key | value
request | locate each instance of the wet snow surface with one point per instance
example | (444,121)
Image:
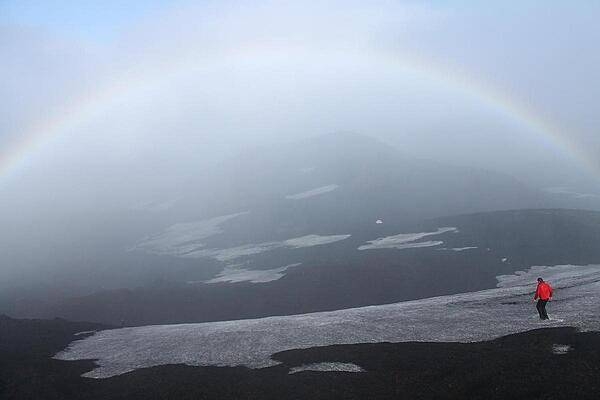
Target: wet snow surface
(406,240)
(561,349)
(233,253)
(464,317)
(328,367)
(187,240)
(235,274)
(458,248)
(183,238)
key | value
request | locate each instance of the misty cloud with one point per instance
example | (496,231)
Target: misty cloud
(125,112)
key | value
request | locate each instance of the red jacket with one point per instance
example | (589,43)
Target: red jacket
(544,291)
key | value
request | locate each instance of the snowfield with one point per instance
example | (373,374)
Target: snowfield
(234,275)
(459,248)
(463,317)
(233,253)
(182,238)
(328,367)
(313,240)
(406,240)
(186,240)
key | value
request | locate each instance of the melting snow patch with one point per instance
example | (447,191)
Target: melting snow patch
(327,367)
(561,349)
(313,240)
(84,333)
(405,240)
(564,273)
(466,317)
(234,275)
(416,245)
(233,253)
(459,248)
(183,238)
(312,192)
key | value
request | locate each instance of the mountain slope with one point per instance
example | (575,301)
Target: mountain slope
(497,369)
(339,275)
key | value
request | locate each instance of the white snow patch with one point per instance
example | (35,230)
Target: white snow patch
(416,245)
(467,317)
(327,367)
(84,333)
(313,192)
(405,240)
(182,238)
(564,273)
(232,253)
(561,349)
(185,240)
(234,275)
(313,240)
(459,248)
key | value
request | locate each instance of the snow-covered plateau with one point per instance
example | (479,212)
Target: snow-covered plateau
(463,317)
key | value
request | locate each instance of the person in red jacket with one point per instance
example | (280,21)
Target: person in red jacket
(543,295)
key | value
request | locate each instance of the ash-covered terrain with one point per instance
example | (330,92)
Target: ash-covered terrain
(383,264)
(359,281)
(465,317)
(426,349)
(265,199)
(331,222)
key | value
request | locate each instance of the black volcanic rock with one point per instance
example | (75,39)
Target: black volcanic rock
(339,276)
(513,367)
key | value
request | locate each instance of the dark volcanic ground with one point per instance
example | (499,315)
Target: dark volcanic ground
(338,276)
(514,367)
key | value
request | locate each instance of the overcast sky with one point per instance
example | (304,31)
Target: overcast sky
(106,105)
(127,94)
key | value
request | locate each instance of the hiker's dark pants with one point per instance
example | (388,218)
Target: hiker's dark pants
(541,307)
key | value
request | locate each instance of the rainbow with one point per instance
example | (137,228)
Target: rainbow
(19,154)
